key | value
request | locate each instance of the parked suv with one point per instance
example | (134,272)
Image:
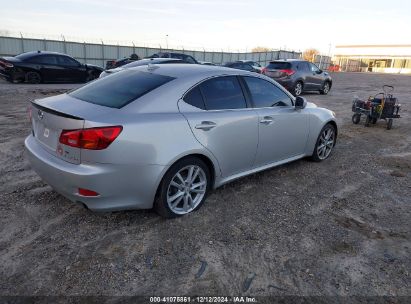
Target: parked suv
(298,76)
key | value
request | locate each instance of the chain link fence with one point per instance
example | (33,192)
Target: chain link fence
(99,53)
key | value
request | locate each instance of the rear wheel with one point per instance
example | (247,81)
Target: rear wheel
(184,188)
(298,88)
(33,77)
(326,88)
(325,143)
(356,118)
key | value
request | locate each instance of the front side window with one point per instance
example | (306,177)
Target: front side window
(222,93)
(120,88)
(190,59)
(67,61)
(265,94)
(314,68)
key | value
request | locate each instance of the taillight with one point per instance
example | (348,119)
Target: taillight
(87,192)
(263,70)
(91,139)
(289,72)
(6,64)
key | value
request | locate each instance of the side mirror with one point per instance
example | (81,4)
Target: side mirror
(319,71)
(300,103)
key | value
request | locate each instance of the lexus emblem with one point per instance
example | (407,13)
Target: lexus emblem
(40,114)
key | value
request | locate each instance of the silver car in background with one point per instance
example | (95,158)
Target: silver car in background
(163,136)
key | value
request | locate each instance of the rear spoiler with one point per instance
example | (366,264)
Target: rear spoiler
(54,112)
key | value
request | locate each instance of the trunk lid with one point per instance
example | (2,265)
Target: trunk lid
(276,69)
(52,115)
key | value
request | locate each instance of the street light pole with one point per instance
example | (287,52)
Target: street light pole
(167,41)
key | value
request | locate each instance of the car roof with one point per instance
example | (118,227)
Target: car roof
(289,60)
(33,53)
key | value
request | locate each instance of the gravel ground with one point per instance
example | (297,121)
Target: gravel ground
(340,227)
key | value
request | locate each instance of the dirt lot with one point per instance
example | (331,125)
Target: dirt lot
(340,227)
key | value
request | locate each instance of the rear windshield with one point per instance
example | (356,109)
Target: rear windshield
(279,65)
(120,88)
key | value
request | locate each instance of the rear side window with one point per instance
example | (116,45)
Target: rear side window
(265,94)
(120,88)
(222,93)
(279,65)
(195,98)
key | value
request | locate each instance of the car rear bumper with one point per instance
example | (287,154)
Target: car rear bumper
(120,187)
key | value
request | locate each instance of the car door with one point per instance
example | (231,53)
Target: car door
(222,122)
(71,70)
(48,67)
(283,130)
(316,78)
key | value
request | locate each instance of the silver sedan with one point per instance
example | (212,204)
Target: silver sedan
(164,136)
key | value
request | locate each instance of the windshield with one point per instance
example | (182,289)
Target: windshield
(120,89)
(279,65)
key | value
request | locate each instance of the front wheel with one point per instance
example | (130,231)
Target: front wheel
(298,89)
(356,118)
(325,143)
(184,188)
(389,123)
(326,88)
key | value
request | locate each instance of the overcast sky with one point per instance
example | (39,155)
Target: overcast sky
(216,24)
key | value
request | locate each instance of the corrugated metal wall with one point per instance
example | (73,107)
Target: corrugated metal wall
(98,54)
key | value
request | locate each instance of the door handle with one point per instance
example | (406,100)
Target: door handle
(206,125)
(267,120)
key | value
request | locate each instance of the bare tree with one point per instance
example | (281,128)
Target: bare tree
(309,54)
(259,49)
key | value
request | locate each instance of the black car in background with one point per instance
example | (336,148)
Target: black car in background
(141,62)
(186,58)
(112,64)
(39,66)
(254,64)
(240,65)
(298,76)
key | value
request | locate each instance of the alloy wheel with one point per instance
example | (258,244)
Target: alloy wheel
(298,89)
(326,143)
(187,189)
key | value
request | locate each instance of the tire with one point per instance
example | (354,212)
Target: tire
(356,118)
(326,88)
(33,77)
(176,196)
(324,146)
(374,120)
(298,88)
(389,123)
